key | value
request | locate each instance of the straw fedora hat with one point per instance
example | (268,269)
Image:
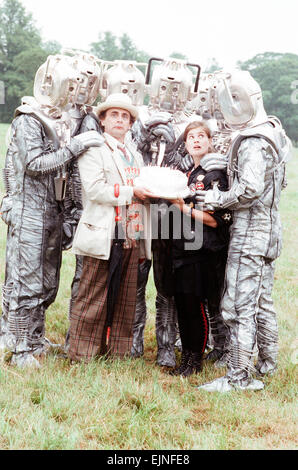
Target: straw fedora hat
(118,100)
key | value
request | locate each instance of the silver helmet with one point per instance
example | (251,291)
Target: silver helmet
(171,86)
(124,77)
(206,103)
(88,75)
(54,82)
(240,100)
(63,79)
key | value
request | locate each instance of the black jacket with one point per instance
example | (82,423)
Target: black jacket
(208,239)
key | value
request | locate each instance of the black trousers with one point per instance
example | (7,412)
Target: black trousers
(196,283)
(193,322)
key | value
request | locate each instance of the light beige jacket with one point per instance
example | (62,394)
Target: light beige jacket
(100,169)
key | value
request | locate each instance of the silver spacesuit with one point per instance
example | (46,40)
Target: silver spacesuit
(35,177)
(158,133)
(256,169)
(82,119)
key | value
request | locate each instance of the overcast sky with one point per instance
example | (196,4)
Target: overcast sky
(228,30)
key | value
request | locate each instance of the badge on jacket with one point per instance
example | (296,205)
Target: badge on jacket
(199,183)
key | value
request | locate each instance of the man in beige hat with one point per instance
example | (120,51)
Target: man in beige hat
(107,175)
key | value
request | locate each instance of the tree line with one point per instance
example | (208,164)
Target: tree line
(22,51)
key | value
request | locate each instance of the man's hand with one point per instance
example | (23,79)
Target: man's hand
(142,193)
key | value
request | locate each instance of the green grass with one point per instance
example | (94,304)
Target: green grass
(133,404)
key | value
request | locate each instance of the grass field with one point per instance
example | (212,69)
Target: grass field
(133,404)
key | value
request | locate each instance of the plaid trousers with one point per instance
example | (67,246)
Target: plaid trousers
(88,317)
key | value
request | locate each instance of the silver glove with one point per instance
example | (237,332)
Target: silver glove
(214,161)
(186,163)
(160,126)
(209,200)
(200,196)
(90,139)
(158,118)
(164,131)
(5,209)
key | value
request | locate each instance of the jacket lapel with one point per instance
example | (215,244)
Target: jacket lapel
(112,144)
(138,157)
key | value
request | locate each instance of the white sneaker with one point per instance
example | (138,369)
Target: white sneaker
(218,385)
(253,385)
(223,385)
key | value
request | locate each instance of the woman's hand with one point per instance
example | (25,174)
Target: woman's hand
(179,202)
